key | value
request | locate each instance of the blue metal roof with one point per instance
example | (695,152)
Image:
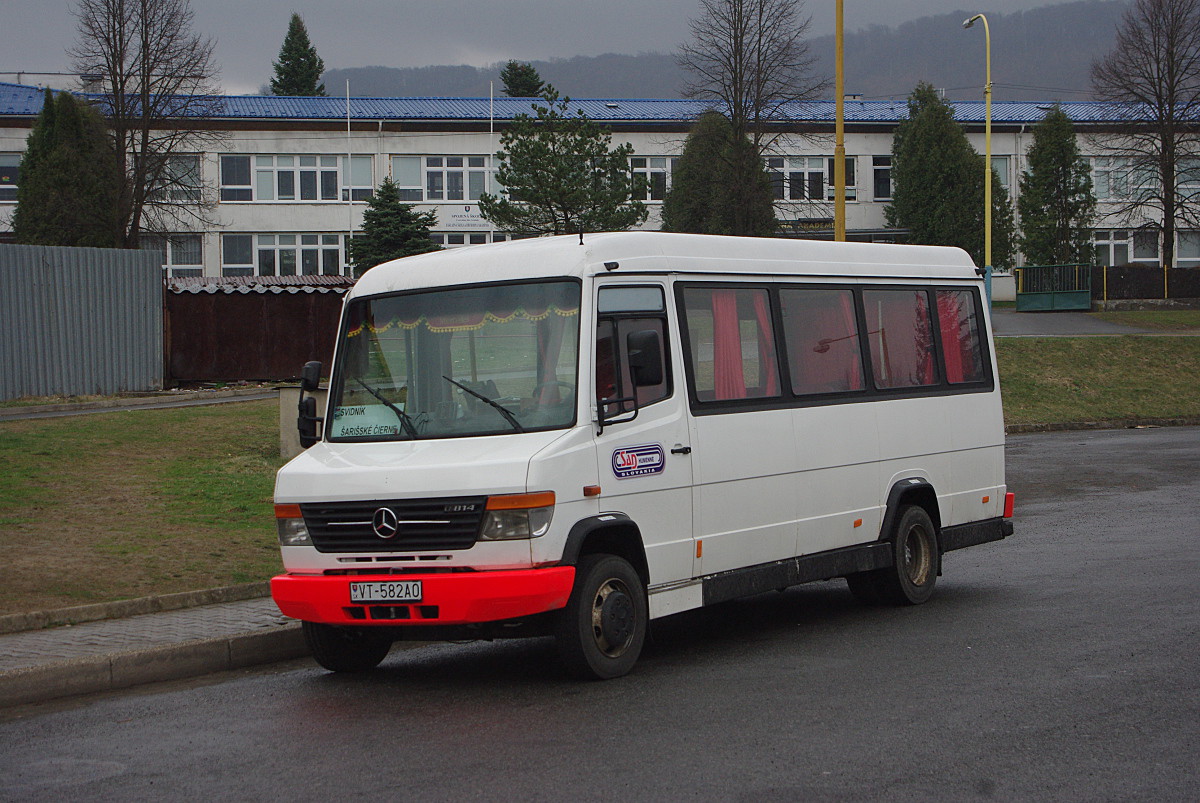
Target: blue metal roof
(19,100)
(628,110)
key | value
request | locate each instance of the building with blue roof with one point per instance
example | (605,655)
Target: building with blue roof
(285,184)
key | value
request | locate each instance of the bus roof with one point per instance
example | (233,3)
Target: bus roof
(642,252)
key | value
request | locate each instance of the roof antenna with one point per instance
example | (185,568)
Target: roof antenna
(581,232)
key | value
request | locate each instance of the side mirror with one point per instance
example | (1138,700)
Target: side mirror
(306,419)
(645,357)
(310,376)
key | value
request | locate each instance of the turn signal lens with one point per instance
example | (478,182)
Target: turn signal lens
(521,501)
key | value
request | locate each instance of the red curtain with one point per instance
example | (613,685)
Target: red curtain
(728,376)
(949,315)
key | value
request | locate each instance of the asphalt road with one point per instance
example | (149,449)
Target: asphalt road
(1061,663)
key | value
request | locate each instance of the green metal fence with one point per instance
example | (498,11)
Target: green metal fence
(1042,288)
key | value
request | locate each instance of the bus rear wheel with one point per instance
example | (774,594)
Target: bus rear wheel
(599,635)
(346,649)
(911,578)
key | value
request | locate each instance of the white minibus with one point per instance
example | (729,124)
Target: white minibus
(572,436)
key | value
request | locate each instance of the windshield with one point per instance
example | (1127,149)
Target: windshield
(460,362)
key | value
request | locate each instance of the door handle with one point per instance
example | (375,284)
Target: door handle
(682,450)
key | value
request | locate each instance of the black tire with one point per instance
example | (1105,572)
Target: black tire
(915,549)
(346,649)
(600,633)
(915,564)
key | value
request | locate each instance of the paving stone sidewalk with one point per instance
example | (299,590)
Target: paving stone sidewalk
(39,665)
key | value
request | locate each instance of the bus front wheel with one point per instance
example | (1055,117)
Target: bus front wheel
(346,649)
(601,631)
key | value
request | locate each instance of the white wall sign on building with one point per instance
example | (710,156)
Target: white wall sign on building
(451,218)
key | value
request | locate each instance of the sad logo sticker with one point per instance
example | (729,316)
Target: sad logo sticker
(638,461)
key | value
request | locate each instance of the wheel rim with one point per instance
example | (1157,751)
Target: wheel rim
(918,560)
(613,618)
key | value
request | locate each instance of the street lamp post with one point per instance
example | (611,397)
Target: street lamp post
(839,146)
(987,159)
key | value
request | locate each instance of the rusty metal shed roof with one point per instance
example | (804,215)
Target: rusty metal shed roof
(259,284)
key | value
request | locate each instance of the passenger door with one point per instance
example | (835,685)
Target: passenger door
(745,493)
(645,464)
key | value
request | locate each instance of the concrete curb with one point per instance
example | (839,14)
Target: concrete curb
(18,622)
(1132,423)
(122,670)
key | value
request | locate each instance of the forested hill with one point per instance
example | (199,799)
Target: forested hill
(1041,54)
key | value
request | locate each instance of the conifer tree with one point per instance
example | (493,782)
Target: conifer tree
(561,176)
(299,69)
(1056,203)
(938,183)
(704,197)
(70,179)
(391,230)
(521,80)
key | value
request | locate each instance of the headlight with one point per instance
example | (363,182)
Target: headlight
(516,516)
(290,524)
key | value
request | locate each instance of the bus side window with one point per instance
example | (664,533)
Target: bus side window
(606,362)
(613,378)
(731,341)
(821,333)
(962,346)
(900,334)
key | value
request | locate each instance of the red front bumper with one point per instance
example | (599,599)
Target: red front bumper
(446,599)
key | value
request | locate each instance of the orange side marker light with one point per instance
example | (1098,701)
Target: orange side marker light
(858,522)
(591,490)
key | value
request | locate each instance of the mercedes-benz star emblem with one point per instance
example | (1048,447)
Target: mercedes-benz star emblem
(384,522)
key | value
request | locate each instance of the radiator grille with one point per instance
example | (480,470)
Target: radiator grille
(420,524)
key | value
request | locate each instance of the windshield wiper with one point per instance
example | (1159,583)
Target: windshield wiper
(504,411)
(405,419)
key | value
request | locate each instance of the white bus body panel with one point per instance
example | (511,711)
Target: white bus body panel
(757,487)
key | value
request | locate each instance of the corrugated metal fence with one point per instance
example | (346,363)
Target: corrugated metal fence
(78,321)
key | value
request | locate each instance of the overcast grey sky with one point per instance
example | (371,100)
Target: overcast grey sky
(414,33)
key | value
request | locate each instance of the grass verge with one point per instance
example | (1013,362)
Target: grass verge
(1170,320)
(125,504)
(1055,380)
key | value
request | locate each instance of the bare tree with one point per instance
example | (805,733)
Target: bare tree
(750,61)
(159,89)
(1153,75)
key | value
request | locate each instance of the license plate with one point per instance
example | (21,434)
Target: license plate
(391,591)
